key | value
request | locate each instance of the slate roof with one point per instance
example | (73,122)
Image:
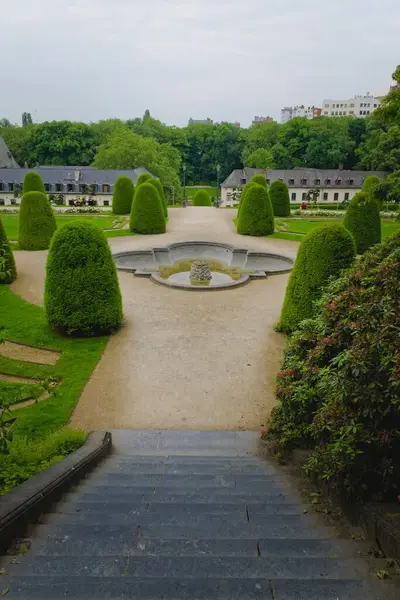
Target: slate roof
(303,177)
(68,174)
(7,161)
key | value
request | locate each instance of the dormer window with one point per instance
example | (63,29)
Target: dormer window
(59,187)
(243,181)
(304,181)
(338,181)
(47,187)
(70,187)
(327,181)
(106,188)
(11,187)
(291,181)
(351,181)
(317,181)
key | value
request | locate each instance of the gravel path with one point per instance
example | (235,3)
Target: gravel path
(195,360)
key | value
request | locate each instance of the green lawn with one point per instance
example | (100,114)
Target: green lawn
(191,190)
(10,222)
(303,226)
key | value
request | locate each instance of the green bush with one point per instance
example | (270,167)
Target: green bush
(243,194)
(363,221)
(256,216)
(158,185)
(28,457)
(33,183)
(82,294)
(147,214)
(338,390)
(36,222)
(279,194)
(260,179)
(8,271)
(324,253)
(123,195)
(143,178)
(201,198)
(369,187)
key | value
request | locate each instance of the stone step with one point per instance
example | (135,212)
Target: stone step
(188,567)
(237,480)
(130,588)
(185,469)
(127,494)
(161,509)
(96,544)
(277,527)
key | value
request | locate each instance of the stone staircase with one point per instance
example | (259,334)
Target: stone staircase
(186,515)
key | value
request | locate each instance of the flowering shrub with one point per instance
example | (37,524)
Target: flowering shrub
(339,387)
(337,213)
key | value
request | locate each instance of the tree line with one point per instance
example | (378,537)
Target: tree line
(371,143)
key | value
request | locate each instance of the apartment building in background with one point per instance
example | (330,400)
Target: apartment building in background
(290,112)
(359,106)
(257,120)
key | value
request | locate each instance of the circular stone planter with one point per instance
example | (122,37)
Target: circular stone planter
(230,267)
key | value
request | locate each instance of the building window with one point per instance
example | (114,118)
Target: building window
(341,106)
(11,187)
(317,181)
(346,196)
(293,196)
(332,114)
(2,203)
(268,181)
(344,112)
(1,186)
(106,203)
(368,112)
(336,113)
(291,181)
(59,187)
(327,182)
(326,112)
(326,105)
(70,187)
(375,105)
(106,188)
(333,106)
(47,187)
(304,196)
(351,112)
(338,181)
(351,181)
(345,105)
(351,105)
(13,201)
(303,181)
(336,196)
(71,202)
(325,195)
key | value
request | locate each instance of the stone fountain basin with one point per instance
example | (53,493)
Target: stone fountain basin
(254,265)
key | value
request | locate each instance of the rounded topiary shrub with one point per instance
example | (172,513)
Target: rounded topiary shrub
(147,214)
(82,294)
(260,179)
(369,187)
(158,185)
(279,194)
(33,183)
(143,178)
(36,222)
(363,221)
(256,216)
(8,271)
(123,195)
(201,198)
(324,253)
(242,196)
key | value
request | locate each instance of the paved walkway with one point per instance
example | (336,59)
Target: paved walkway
(195,360)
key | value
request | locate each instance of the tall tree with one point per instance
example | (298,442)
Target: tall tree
(26,119)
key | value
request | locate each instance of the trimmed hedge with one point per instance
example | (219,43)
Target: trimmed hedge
(245,190)
(363,221)
(201,198)
(147,214)
(369,186)
(8,270)
(143,178)
(279,194)
(158,185)
(82,295)
(256,216)
(123,195)
(33,183)
(324,253)
(260,179)
(36,222)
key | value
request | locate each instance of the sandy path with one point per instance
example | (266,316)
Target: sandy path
(195,360)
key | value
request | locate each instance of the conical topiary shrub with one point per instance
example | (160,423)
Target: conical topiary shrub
(256,216)
(123,195)
(242,196)
(36,222)
(324,253)
(363,221)
(82,295)
(369,187)
(279,194)
(158,185)
(147,214)
(260,179)
(8,271)
(33,183)
(201,198)
(143,178)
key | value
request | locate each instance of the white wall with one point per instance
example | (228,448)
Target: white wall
(358,107)
(8,198)
(225,201)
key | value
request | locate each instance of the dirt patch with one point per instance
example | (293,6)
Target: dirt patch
(29,354)
(17,379)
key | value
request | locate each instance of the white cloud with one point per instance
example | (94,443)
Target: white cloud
(91,59)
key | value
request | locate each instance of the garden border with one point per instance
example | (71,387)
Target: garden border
(25,503)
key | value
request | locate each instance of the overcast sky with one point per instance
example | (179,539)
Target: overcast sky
(227,60)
